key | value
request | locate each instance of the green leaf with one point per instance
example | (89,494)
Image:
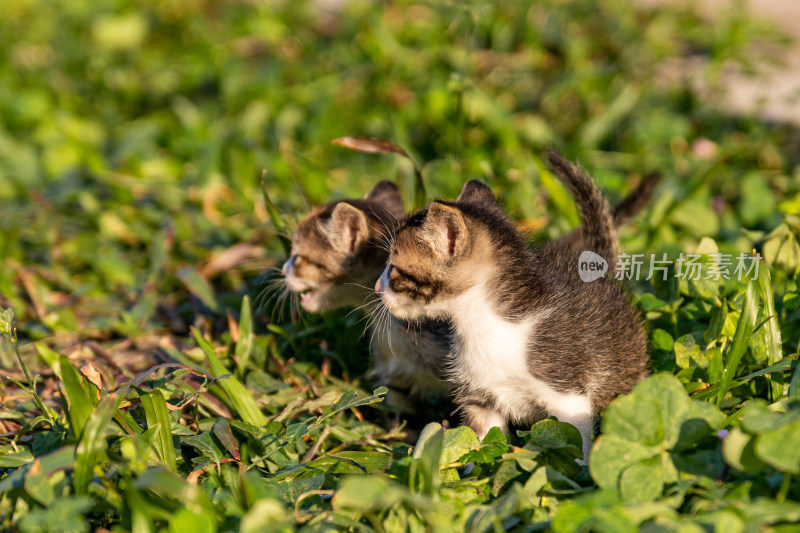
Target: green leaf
(367,493)
(244,348)
(744,330)
(206,445)
(638,417)
(458,442)
(6,321)
(238,395)
(779,447)
(766,511)
(187,520)
(492,447)
(595,511)
(505,475)
(791,300)
(155,409)
(688,353)
(794,384)
(266,514)
(222,429)
(350,399)
(92,444)
(424,471)
(80,403)
(656,420)
(771,331)
(696,217)
(661,340)
(612,455)
(642,481)
(738,449)
(65,515)
(290,490)
(15,460)
(353,461)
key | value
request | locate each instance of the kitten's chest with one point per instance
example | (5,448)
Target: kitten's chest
(491,363)
(491,351)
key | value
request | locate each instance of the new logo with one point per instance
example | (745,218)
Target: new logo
(591,266)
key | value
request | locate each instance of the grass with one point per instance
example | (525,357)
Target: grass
(154,156)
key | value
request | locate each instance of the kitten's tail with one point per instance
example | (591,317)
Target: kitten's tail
(600,231)
(627,208)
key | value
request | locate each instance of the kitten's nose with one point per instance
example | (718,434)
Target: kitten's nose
(382,282)
(288,265)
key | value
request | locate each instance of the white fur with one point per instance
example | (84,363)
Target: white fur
(491,356)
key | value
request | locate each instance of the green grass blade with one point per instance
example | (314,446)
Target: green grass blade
(51,358)
(155,410)
(787,363)
(275,217)
(427,457)
(93,443)
(744,330)
(80,403)
(244,404)
(771,331)
(794,385)
(244,348)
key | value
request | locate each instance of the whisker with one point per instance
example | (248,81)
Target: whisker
(388,326)
(366,306)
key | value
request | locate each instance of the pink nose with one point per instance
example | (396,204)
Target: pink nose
(379,286)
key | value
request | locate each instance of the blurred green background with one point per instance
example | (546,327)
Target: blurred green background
(134,137)
(133,140)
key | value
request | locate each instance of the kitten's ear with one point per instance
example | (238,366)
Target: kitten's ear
(348,227)
(387,194)
(446,229)
(475,192)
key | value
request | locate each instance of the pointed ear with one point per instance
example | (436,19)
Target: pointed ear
(475,192)
(348,227)
(387,194)
(446,230)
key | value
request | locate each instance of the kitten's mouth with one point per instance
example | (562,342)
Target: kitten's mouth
(307,295)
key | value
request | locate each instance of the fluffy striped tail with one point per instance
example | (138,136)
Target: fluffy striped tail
(599,231)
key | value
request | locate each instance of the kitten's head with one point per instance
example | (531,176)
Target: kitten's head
(339,249)
(439,253)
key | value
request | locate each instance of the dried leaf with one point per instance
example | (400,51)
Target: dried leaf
(91,373)
(370,145)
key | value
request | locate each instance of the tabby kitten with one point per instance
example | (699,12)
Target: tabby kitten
(530,338)
(338,251)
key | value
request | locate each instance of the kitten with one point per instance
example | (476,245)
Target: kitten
(338,251)
(530,338)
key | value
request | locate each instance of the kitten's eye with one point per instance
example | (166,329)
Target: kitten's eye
(303,259)
(397,272)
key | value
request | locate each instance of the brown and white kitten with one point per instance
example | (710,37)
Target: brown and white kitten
(338,251)
(530,338)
